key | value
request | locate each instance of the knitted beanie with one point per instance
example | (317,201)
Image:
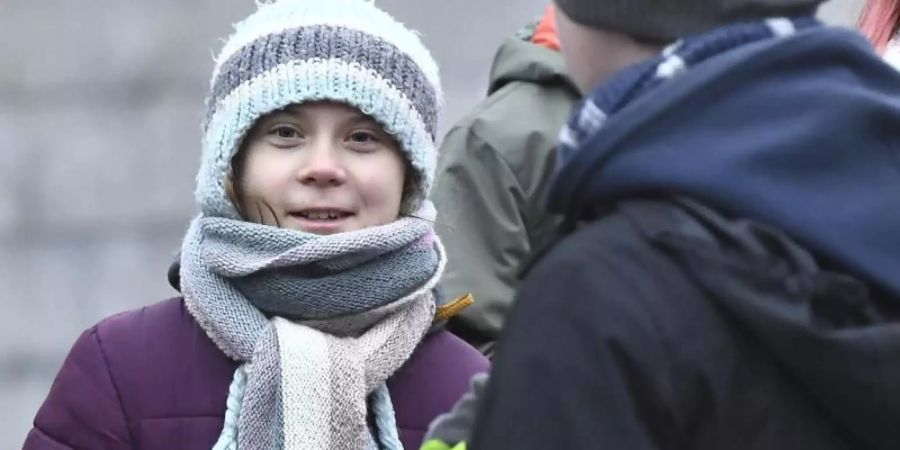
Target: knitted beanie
(295,51)
(663,21)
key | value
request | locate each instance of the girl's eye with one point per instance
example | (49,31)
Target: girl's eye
(363,137)
(286,132)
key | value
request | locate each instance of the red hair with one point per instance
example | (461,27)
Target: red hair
(879,21)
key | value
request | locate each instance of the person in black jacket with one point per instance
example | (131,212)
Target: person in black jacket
(731,274)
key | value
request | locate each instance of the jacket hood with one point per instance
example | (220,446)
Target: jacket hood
(518,59)
(837,340)
(799,133)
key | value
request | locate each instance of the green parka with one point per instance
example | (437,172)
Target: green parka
(491,179)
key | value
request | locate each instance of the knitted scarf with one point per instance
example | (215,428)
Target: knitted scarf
(614,95)
(318,323)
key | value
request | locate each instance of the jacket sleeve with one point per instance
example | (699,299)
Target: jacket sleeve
(82,410)
(484,230)
(455,427)
(580,365)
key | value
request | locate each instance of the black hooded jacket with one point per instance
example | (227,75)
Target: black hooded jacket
(734,282)
(665,325)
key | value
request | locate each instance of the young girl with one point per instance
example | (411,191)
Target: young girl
(880,21)
(309,319)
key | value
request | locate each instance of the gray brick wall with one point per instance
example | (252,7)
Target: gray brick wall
(100,107)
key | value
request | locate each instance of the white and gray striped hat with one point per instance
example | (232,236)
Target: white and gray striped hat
(295,51)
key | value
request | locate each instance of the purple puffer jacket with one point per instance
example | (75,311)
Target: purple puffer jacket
(151,379)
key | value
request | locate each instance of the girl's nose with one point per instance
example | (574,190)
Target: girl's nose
(322,167)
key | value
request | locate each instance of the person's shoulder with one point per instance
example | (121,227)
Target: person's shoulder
(445,351)
(145,351)
(155,332)
(609,289)
(443,360)
(164,320)
(611,264)
(607,239)
(518,125)
(130,367)
(531,105)
(434,378)
(516,112)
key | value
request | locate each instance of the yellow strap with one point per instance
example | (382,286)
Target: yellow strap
(454,307)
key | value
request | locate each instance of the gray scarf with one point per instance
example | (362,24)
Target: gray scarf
(319,322)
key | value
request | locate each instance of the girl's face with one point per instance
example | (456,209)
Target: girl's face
(319,167)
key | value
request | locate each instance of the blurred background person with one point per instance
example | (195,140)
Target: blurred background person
(729,274)
(494,167)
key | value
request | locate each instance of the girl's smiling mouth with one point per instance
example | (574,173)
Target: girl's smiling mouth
(321,220)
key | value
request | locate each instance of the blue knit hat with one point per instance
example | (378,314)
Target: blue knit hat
(295,51)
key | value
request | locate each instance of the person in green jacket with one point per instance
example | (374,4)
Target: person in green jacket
(493,174)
